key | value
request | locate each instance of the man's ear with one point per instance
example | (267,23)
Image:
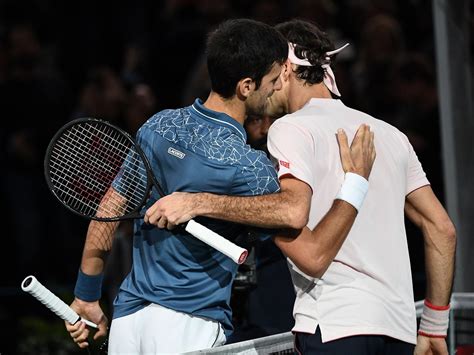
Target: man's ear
(245,87)
(286,70)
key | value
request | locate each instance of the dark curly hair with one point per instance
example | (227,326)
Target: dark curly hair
(311,44)
(242,48)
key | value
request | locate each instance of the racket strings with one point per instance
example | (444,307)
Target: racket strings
(104,175)
(90,158)
(84,184)
(95,164)
(83,171)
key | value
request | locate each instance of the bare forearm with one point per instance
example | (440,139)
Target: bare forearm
(440,246)
(439,235)
(98,243)
(313,251)
(100,234)
(279,210)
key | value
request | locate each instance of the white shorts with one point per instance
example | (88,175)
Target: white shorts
(159,330)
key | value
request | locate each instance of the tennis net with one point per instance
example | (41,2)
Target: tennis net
(278,344)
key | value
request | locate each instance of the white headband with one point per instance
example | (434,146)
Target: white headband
(329,78)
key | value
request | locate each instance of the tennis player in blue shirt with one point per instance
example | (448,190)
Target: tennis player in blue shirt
(176,297)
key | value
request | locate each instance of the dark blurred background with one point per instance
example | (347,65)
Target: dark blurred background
(125,60)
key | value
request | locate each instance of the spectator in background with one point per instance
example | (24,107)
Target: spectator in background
(417,114)
(34,102)
(380,46)
(179,35)
(102,96)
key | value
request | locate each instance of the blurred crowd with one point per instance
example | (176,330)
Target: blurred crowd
(123,61)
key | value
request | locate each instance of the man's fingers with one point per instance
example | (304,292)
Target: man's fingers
(83,345)
(360,134)
(162,222)
(150,212)
(72,327)
(80,336)
(373,153)
(75,333)
(367,138)
(102,331)
(170,225)
(344,150)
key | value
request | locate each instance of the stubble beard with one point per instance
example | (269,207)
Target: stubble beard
(273,109)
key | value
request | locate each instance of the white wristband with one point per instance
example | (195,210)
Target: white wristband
(434,321)
(353,190)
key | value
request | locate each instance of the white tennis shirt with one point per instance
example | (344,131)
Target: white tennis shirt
(367,289)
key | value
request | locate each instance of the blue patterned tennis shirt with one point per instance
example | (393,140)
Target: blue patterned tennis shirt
(192,149)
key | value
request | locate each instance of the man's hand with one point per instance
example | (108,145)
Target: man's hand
(171,210)
(90,311)
(360,157)
(430,346)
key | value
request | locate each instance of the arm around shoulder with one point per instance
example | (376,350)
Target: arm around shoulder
(288,208)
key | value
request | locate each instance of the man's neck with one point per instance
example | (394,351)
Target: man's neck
(301,94)
(231,107)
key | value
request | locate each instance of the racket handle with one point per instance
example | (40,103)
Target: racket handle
(218,242)
(31,285)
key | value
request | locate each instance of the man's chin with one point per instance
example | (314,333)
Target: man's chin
(274,113)
(273,110)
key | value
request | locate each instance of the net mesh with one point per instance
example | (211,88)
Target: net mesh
(278,344)
(86,160)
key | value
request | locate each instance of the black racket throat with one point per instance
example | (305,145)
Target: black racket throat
(98,171)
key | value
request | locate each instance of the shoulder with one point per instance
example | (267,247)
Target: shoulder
(165,121)
(251,157)
(255,162)
(382,128)
(294,122)
(256,174)
(292,128)
(168,116)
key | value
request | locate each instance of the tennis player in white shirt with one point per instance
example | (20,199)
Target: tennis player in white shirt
(350,264)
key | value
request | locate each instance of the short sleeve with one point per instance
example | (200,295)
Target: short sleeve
(416,177)
(256,175)
(293,151)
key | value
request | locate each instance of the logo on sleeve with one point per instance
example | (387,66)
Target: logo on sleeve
(176,153)
(285,164)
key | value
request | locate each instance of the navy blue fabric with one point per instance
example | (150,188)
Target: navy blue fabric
(192,149)
(354,345)
(88,287)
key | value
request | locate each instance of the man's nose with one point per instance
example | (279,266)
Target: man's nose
(278,85)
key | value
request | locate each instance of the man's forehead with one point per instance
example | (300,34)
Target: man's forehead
(276,69)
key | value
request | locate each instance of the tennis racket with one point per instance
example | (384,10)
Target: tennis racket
(31,285)
(98,171)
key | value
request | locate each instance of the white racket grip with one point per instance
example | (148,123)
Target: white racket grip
(31,285)
(218,242)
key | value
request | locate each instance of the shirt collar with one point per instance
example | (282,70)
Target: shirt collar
(219,118)
(323,101)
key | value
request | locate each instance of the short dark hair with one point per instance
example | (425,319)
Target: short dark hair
(242,48)
(311,43)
